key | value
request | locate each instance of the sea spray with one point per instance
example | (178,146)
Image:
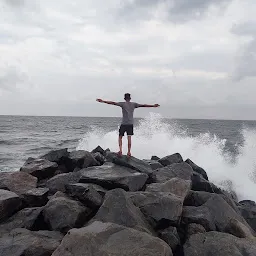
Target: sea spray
(153,136)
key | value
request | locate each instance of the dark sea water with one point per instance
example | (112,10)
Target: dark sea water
(226,149)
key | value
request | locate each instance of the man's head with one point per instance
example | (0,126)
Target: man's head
(127,96)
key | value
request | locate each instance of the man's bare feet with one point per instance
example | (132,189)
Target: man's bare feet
(129,154)
(120,153)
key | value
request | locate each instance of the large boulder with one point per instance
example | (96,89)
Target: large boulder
(197,169)
(171,159)
(118,208)
(221,244)
(248,211)
(102,239)
(153,164)
(40,168)
(181,170)
(62,214)
(177,186)
(29,218)
(22,242)
(9,203)
(133,163)
(199,183)
(98,149)
(193,229)
(161,209)
(112,176)
(81,159)
(58,182)
(59,156)
(36,197)
(14,181)
(85,193)
(198,215)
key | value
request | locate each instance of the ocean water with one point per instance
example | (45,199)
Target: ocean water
(225,149)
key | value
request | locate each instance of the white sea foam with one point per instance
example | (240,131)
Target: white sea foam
(155,137)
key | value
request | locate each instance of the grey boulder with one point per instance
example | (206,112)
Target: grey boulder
(248,211)
(36,197)
(197,169)
(171,237)
(171,159)
(102,239)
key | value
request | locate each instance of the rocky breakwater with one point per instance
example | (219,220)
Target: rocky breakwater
(96,203)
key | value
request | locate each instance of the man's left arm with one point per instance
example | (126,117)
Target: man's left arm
(146,106)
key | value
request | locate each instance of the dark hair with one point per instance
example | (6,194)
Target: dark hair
(127,96)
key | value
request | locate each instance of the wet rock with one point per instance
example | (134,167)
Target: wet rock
(36,197)
(221,244)
(58,182)
(182,171)
(201,184)
(155,158)
(197,169)
(154,164)
(171,159)
(9,203)
(100,239)
(59,156)
(99,149)
(28,218)
(171,237)
(177,186)
(62,214)
(248,211)
(236,228)
(22,242)
(82,159)
(112,176)
(85,193)
(40,168)
(118,208)
(161,209)
(14,181)
(198,215)
(193,229)
(133,163)
(99,158)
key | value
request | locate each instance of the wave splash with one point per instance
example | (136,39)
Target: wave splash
(155,137)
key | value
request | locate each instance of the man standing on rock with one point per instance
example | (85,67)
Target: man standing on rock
(127,122)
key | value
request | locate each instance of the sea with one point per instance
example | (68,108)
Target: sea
(226,149)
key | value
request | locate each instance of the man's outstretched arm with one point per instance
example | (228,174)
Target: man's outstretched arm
(148,106)
(107,102)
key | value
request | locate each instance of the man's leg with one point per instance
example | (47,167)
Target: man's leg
(120,142)
(129,145)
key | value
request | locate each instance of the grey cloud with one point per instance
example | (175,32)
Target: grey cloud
(174,10)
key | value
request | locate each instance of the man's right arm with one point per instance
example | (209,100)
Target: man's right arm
(108,102)
(148,106)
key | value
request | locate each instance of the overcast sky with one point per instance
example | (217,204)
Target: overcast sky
(197,58)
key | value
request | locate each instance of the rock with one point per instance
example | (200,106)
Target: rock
(99,158)
(9,203)
(248,211)
(59,156)
(236,228)
(178,187)
(171,237)
(155,158)
(99,149)
(201,184)
(161,209)
(193,229)
(153,164)
(22,242)
(40,168)
(197,169)
(58,182)
(222,212)
(182,171)
(82,159)
(61,169)
(29,218)
(111,176)
(36,197)
(14,181)
(171,159)
(62,214)
(133,163)
(199,215)
(221,244)
(118,208)
(100,239)
(85,193)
